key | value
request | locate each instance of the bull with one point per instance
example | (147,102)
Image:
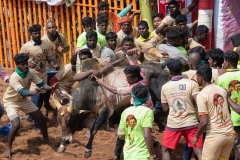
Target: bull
(91,105)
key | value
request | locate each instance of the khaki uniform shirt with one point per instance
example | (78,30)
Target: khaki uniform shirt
(179,96)
(212,100)
(184,11)
(148,43)
(121,35)
(130,59)
(53,47)
(38,56)
(16,83)
(108,54)
(95,51)
(192,43)
(190,74)
(65,77)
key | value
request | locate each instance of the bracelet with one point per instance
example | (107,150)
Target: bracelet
(153,156)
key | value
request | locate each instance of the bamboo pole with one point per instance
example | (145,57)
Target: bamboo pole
(63,30)
(25,21)
(74,25)
(8,34)
(115,7)
(21,23)
(96,8)
(90,9)
(30,13)
(3,55)
(12,40)
(40,19)
(34,13)
(84,9)
(44,18)
(146,11)
(79,18)
(16,26)
(69,55)
(56,15)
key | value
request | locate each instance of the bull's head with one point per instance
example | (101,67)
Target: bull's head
(65,112)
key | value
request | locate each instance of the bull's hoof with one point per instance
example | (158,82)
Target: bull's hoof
(61,148)
(88,153)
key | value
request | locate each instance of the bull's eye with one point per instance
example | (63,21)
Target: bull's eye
(62,114)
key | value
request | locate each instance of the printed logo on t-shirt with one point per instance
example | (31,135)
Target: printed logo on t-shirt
(222,116)
(234,86)
(131,123)
(180,108)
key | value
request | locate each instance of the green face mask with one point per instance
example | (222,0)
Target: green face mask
(21,74)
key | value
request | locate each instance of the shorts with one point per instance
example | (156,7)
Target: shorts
(217,146)
(12,108)
(171,138)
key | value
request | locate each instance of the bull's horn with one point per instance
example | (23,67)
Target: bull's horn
(56,101)
(70,107)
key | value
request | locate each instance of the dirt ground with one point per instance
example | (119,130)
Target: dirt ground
(29,145)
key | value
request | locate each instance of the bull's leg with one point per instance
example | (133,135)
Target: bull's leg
(98,123)
(125,102)
(161,125)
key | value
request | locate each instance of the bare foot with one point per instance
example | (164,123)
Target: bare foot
(7,153)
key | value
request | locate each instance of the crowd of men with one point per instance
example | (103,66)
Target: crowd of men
(203,84)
